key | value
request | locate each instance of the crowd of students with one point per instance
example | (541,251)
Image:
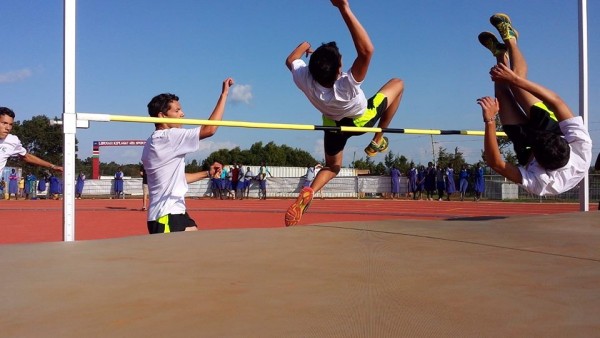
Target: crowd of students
(235,182)
(426,182)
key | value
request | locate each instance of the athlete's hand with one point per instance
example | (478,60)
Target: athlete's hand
(502,73)
(489,107)
(339,3)
(228,82)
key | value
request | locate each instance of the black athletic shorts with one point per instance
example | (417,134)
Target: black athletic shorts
(170,223)
(521,135)
(335,141)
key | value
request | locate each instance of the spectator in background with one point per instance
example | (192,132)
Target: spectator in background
(241,186)
(21,190)
(13,184)
(395,177)
(41,187)
(119,184)
(79,185)
(450,186)
(430,177)
(440,181)
(421,174)
(263,171)
(234,173)
(412,181)
(309,176)
(463,181)
(223,182)
(30,186)
(215,179)
(479,184)
(2,188)
(248,177)
(55,187)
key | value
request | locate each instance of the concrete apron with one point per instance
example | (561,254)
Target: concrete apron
(517,276)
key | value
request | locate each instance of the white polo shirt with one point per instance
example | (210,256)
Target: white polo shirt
(344,99)
(10,146)
(164,161)
(542,182)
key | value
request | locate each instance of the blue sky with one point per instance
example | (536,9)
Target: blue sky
(129,51)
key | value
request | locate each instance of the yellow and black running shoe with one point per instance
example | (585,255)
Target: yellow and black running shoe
(504,26)
(489,41)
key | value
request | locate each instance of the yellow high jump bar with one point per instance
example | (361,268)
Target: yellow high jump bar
(265,125)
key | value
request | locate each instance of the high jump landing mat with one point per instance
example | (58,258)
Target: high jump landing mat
(515,276)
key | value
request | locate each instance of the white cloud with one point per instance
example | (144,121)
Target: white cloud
(318,150)
(15,75)
(241,93)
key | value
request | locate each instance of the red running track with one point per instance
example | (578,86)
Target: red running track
(25,221)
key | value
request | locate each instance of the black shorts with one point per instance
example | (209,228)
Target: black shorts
(335,141)
(521,135)
(171,223)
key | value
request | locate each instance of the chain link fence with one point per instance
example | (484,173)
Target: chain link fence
(496,188)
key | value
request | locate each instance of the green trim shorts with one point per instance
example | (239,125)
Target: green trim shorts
(170,223)
(335,141)
(521,135)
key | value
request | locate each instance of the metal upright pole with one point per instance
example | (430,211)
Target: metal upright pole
(584,186)
(69,121)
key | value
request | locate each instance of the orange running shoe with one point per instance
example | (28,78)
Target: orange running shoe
(295,211)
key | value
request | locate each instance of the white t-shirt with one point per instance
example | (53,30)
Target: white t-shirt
(10,146)
(542,182)
(344,99)
(164,161)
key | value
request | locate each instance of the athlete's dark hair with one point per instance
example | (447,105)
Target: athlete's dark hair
(325,63)
(160,103)
(7,111)
(550,150)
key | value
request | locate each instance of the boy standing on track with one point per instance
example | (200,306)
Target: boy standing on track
(339,97)
(10,145)
(163,158)
(553,147)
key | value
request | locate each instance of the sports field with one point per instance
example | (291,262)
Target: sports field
(361,268)
(41,220)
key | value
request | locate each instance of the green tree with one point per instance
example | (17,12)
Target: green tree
(193,167)
(270,153)
(364,164)
(398,161)
(445,158)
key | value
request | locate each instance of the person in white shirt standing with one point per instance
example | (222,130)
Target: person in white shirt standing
(553,147)
(163,158)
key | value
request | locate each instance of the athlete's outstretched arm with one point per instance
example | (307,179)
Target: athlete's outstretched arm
(489,109)
(32,159)
(360,37)
(503,73)
(217,114)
